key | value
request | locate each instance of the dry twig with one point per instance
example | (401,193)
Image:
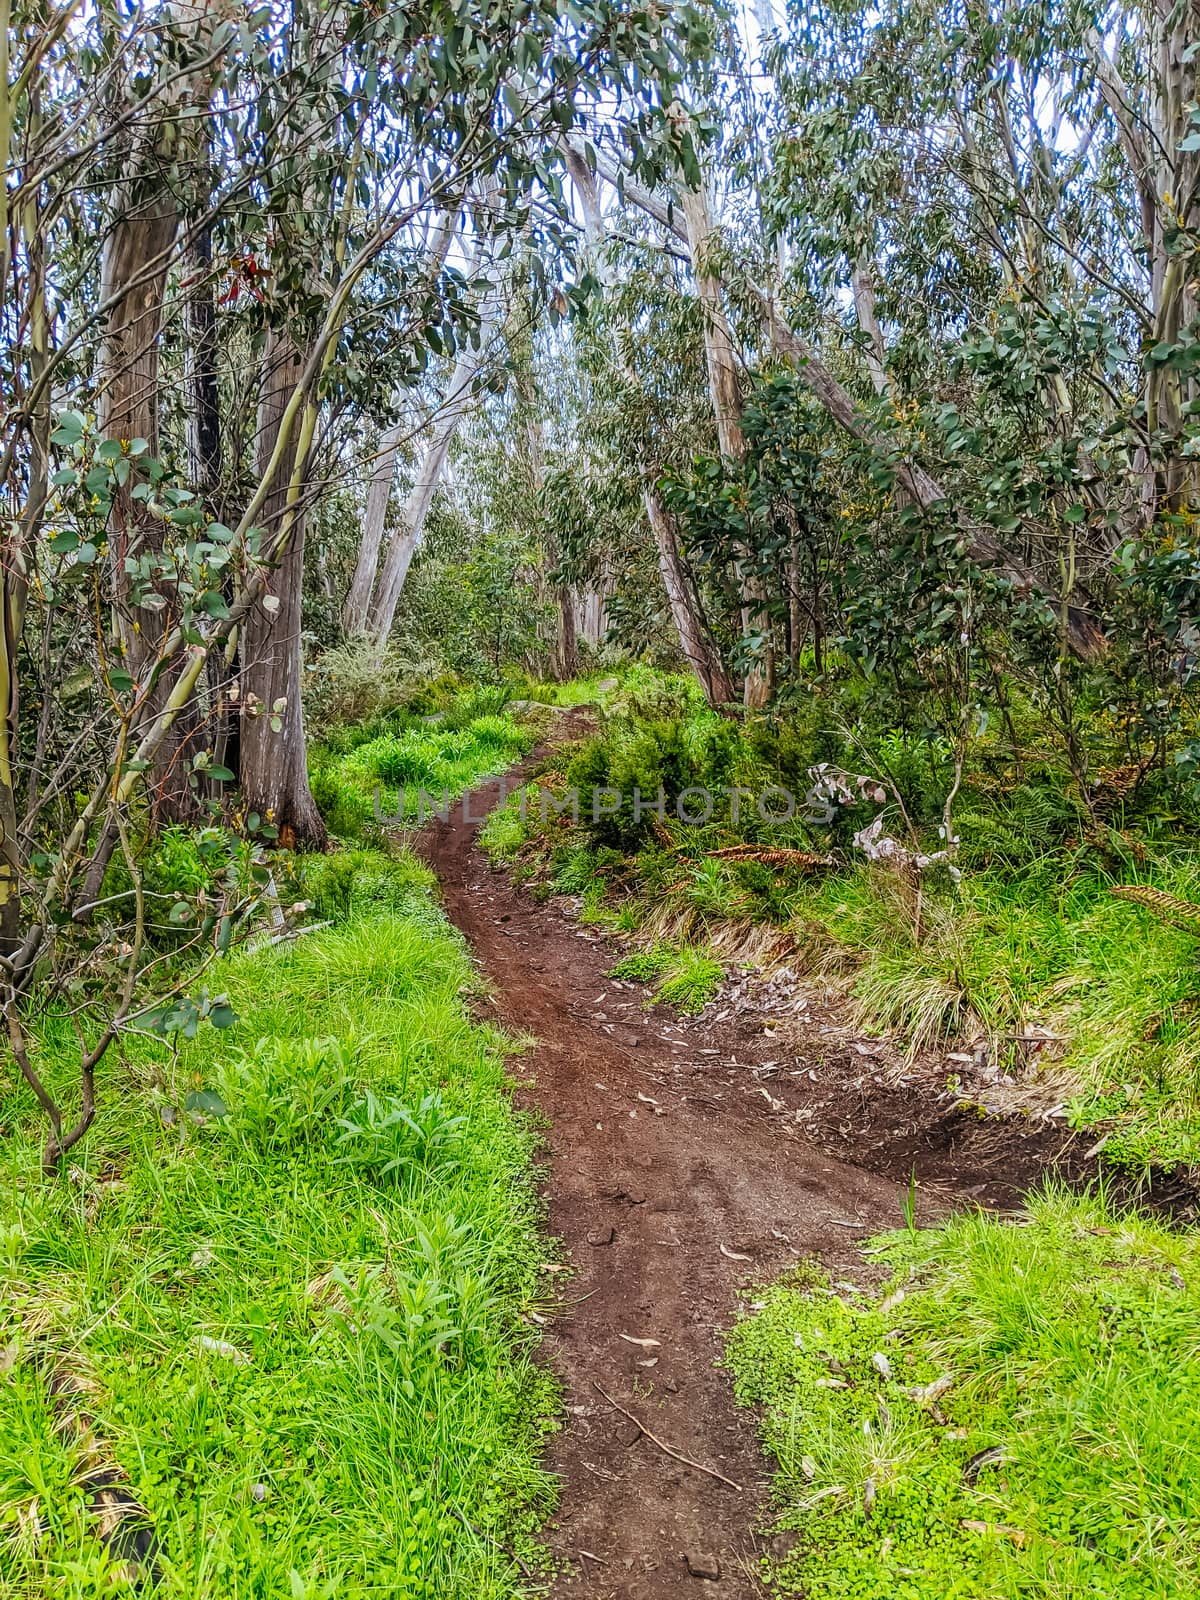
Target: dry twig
(666,1448)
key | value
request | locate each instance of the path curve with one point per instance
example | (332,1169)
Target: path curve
(670,1190)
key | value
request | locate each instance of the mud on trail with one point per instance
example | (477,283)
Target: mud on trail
(680,1170)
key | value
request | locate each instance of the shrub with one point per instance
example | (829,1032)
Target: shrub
(484,702)
(691,982)
(351,683)
(351,883)
(671,756)
(348,810)
(387,1139)
(688,978)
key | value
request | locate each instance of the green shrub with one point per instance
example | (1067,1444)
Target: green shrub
(351,683)
(474,705)
(643,966)
(348,811)
(667,756)
(691,981)
(686,978)
(389,1139)
(353,883)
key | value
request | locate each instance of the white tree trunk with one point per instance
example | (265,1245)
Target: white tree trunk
(695,638)
(404,541)
(726,396)
(356,610)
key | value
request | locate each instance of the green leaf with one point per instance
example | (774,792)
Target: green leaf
(206,1102)
(69,429)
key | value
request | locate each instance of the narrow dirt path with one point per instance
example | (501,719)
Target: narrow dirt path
(670,1189)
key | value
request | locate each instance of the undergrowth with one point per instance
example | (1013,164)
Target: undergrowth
(684,978)
(281,1297)
(1016,1415)
(1029,957)
(407,765)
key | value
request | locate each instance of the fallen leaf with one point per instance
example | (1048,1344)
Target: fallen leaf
(646,1344)
(222,1347)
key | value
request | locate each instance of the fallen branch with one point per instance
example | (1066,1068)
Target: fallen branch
(771,858)
(666,1448)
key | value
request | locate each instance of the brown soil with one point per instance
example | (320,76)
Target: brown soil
(688,1160)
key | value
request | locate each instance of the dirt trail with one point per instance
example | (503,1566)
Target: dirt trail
(670,1189)
(689,1159)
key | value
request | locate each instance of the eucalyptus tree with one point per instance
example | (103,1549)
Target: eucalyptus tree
(292,160)
(631,425)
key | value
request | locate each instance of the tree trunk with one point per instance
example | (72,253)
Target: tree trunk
(356,610)
(567,652)
(274,772)
(1083,635)
(135,263)
(726,397)
(590,626)
(1176,38)
(691,625)
(133,275)
(203,422)
(863,284)
(407,535)
(203,412)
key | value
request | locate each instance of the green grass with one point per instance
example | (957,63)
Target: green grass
(683,977)
(584,691)
(392,769)
(301,1327)
(1117,987)
(506,828)
(1017,1416)
(1030,940)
